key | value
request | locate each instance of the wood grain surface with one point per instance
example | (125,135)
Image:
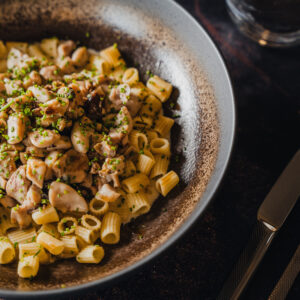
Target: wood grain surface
(267,85)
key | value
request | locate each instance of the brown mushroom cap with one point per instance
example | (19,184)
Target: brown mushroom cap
(66,199)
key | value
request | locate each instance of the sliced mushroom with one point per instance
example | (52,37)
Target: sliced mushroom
(72,166)
(93,106)
(52,111)
(122,95)
(66,199)
(122,127)
(63,143)
(88,183)
(111,170)
(11,86)
(20,216)
(107,193)
(7,165)
(8,147)
(40,93)
(35,151)
(44,138)
(52,158)
(17,186)
(95,168)
(23,157)
(56,107)
(19,102)
(16,125)
(32,79)
(81,90)
(51,73)
(114,165)
(14,58)
(80,56)
(65,48)
(49,174)
(35,171)
(105,149)
(66,65)
(74,111)
(27,142)
(3,183)
(8,202)
(80,135)
(33,197)
(63,123)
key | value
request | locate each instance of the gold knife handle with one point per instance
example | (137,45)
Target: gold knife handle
(259,242)
(287,279)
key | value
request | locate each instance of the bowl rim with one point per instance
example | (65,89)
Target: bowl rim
(191,220)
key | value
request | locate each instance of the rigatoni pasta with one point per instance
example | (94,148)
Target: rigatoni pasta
(86,234)
(166,183)
(110,229)
(145,164)
(160,146)
(45,215)
(84,148)
(34,249)
(135,183)
(20,236)
(159,87)
(53,245)
(7,251)
(138,203)
(71,244)
(91,254)
(163,125)
(131,76)
(28,266)
(161,165)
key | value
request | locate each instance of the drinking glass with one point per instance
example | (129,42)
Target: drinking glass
(274,23)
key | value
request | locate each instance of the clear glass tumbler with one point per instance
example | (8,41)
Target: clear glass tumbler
(274,23)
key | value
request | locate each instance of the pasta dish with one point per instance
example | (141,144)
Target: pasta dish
(85,148)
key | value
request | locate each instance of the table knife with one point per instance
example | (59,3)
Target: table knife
(270,217)
(287,279)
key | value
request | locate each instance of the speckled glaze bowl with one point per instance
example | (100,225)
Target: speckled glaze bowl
(154,35)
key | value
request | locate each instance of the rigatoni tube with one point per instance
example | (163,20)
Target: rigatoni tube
(145,164)
(34,249)
(166,183)
(45,215)
(163,125)
(22,236)
(90,222)
(160,88)
(98,207)
(161,165)
(87,235)
(135,183)
(138,203)
(28,266)
(110,228)
(7,251)
(160,146)
(92,254)
(53,245)
(71,244)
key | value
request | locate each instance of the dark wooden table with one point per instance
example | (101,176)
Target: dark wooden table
(267,87)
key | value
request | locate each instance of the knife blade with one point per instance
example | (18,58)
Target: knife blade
(271,215)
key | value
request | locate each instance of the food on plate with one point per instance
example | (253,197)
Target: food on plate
(84,148)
